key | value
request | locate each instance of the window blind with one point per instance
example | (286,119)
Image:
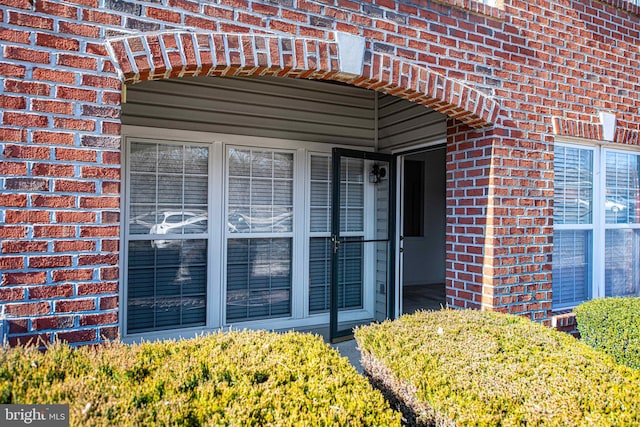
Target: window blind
(350,263)
(258,278)
(259,200)
(571,267)
(573,186)
(573,209)
(622,244)
(167,277)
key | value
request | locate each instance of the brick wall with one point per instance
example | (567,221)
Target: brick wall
(60,147)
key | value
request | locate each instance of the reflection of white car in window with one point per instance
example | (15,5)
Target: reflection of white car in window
(178,222)
(266,222)
(614,205)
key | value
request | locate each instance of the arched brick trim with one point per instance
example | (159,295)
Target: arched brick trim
(626,5)
(627,136)
(593,131)
(577,129)
(155,56)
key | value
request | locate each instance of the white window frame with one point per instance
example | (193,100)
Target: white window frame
(168,139)
(611,226)
(594,215)
(227,235)
(599,225)
(217,233)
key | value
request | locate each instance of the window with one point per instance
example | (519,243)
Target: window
(350,263)
(259,234)
(236,232)
(622,224)
(167,246)
(596,224)
(573,221)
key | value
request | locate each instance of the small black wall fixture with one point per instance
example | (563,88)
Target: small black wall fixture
(377,174)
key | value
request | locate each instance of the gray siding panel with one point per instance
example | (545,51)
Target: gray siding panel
(403,124)
(382,250)
(279,108)
(295,109)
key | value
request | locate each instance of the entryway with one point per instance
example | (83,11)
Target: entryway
(244,173)
(422,229)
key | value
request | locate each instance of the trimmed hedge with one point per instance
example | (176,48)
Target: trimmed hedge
(236,378)
(464,367)
(612,325)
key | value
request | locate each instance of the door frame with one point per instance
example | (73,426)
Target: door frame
(399,256)
(335,334)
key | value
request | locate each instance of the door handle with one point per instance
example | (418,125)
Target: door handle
(336,243)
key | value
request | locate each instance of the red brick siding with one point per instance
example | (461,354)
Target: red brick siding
(59,126)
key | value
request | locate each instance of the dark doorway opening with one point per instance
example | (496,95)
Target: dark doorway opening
(423,230)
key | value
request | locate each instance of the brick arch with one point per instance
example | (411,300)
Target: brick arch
(142,57)
(593,131)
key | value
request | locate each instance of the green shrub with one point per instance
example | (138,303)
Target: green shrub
(612,325)
(236,378)
(477,368)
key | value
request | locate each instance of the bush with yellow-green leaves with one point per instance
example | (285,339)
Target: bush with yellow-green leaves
(472,368)
(612,325)
(235,378)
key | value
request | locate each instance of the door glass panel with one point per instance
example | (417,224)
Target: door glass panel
(382,263)
(363,254)
(351,275)
(352,195)
(350,262)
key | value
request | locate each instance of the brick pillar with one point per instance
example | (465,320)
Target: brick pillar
(499,224)
(59,179)
(468,171)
